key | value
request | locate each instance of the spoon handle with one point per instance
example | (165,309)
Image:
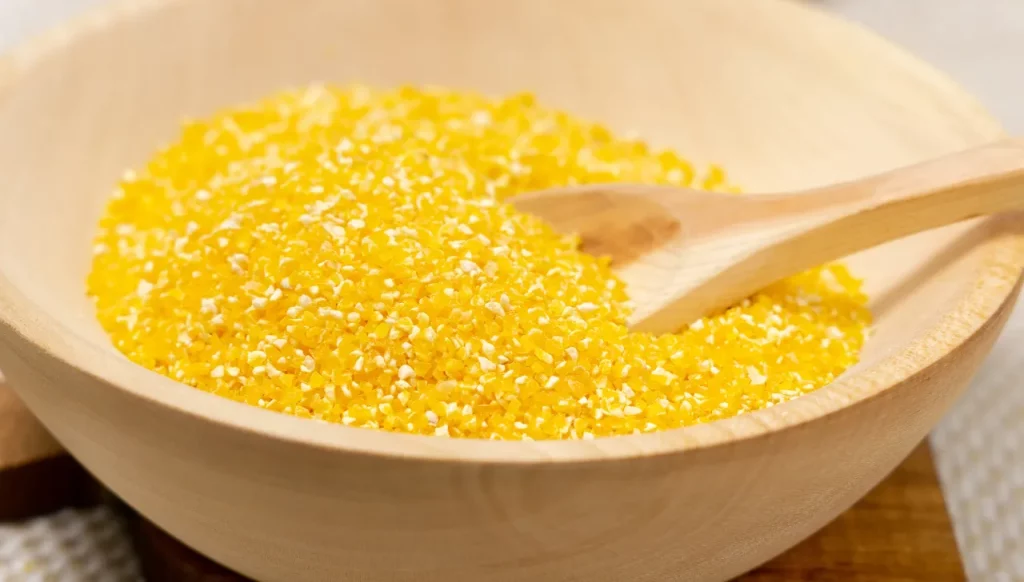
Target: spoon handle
(789,233)
(831,222)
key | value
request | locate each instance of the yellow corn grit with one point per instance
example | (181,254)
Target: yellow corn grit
(346,254)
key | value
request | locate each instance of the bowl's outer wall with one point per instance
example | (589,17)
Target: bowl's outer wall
(783,96)
(283,512)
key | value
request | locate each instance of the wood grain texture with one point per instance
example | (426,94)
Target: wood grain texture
(23,439)
(899,532)
(36,475)
(783,96)
(686,254)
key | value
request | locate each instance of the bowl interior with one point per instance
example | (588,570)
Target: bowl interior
(746,93)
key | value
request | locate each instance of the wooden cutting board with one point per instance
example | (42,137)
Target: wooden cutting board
(36,476)
(900,532)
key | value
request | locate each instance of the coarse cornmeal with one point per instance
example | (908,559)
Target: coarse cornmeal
(346,254)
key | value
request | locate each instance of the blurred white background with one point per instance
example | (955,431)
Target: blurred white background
(980,43)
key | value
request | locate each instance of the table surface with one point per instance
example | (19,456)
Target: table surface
(979,448)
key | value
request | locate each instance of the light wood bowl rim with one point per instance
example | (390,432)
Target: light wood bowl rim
(1003,264)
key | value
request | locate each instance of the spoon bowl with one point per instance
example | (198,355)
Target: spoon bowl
(784,97)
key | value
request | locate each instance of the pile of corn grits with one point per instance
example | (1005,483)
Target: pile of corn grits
(347,254)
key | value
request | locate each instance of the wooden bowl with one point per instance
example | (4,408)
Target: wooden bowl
(781,95)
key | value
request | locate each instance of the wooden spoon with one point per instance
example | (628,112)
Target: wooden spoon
(685,253)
